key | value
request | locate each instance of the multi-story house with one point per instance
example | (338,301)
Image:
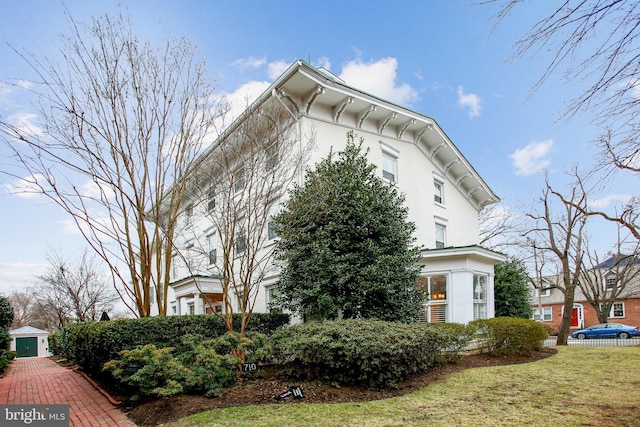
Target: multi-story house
(612,280)
(444,195)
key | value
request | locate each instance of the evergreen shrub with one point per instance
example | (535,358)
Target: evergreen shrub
(91,345)
(509,336)
(366,353)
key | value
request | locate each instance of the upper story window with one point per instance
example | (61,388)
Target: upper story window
(174,267)
(271,156)
(389,163)
(389,168)
(188,214)
(542,292)
(238,180)
(211,199)
(441,236)
(611,283)
(213,248)
(240,243)
(273,211)
(438,192)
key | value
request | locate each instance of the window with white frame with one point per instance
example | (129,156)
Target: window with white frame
(611,283)
(389,167)
(438,191)
(441,235)
(273,211)
(546,314)
(617,310)
(479,296)
(212,253)
(211,199)
(174,267)
(271,297)
(542,292)
(191,308)
(188,214)
(190,255)
(238,180)
(434,307)
(240,238)
(271,156)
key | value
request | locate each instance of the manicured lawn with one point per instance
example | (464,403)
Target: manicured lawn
(580,386)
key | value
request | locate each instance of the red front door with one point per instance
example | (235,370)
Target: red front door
(574,318)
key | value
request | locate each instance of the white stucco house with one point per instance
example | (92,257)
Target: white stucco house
(444,195)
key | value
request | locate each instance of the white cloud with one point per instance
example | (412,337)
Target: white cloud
(25,123)
(250,62)
(322,62)
(26,187)
(378,78)
(275,69)
(533,158)
(611,199)
(470,101)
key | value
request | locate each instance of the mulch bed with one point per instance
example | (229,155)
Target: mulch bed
(264,390)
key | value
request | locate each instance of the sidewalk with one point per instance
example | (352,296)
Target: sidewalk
(42,381)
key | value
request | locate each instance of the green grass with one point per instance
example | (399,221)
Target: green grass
(580,386)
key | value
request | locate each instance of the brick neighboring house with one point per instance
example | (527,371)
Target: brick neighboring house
(548,302)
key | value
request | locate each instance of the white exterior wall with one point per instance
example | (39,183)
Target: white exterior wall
(419,162)
(415,177)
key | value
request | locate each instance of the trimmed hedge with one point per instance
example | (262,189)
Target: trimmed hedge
(508,336)
(366,353)
(91,345)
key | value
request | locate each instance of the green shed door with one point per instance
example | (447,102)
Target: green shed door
(27,347)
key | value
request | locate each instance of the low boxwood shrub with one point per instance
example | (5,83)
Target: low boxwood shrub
(457,339)
(508,336)
(204,366)
(367,353)
(95,343)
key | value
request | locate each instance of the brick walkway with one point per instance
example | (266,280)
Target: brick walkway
(41,381)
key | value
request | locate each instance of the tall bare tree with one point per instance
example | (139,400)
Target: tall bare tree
(557,229)
(595,43)
(22,303)
(74,291)
(121,120)
(623,270)
(235,190)
(497,228)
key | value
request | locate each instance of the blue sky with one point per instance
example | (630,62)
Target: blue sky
(441,59)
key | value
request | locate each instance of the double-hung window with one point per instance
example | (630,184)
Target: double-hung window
(271,156)
(389,163)
(273,211)
(213,248)
(546,314)
(438,192)
(479,296)
(240,237)
(238,180)
(441,235)
(188,214)
(611,283)
(617,310)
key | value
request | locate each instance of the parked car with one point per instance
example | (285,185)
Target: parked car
(607,330)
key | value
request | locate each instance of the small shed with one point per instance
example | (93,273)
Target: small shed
(29,342)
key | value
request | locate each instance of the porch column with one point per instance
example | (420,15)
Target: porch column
(197,303)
